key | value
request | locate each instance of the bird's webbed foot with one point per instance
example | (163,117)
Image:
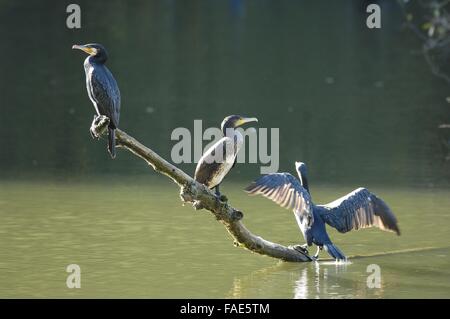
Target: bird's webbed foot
(301,248)
(197,205)
(95,122)
(316,255)
(219,196)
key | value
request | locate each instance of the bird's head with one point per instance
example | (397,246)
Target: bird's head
(299,165)
(302,172)
(234,121)
(95,50)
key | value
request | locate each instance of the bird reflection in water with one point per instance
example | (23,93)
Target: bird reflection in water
(326,279)
(314,281)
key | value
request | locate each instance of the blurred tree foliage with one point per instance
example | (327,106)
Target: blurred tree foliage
(430,21)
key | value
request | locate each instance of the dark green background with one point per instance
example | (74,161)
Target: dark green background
(184,60)
(361,107)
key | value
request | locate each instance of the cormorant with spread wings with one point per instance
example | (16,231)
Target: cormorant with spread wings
(358,209)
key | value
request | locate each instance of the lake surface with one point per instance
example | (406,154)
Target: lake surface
(133,238)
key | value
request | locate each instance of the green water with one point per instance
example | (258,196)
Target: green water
(135,239)
(361,107)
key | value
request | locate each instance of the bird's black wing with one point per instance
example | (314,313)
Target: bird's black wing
(359,209)
(285,190)
(215,163)
(105,92)
(205,172)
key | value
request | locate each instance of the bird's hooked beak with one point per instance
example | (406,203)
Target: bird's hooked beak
(244,120)
(89,50)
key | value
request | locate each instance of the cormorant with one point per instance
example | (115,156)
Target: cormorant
(358,209)
(217,161)
(102,89)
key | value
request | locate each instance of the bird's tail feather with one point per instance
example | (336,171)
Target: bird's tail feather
(334,252)
(112,142)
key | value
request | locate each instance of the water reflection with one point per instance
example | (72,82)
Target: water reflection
(129,246)
(301,286)
(328,279)
(324,278)
(310,280)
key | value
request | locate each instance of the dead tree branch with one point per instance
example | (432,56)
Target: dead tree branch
(201,197)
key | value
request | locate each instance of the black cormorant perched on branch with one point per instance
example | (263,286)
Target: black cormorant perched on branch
(358,209)
(217,161)
(102,89)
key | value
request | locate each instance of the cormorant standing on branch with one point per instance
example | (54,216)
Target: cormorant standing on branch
(102,89)
(358,209)
(219,159)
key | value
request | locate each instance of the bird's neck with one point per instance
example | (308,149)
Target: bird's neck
(305,183)
(230,131)
(239,139)
(303,180)
(235,135)
(96,59)
(226,130)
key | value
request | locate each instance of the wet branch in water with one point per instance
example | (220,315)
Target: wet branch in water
(201,197)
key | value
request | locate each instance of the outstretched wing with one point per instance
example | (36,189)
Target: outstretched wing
(359,209)
(285,190)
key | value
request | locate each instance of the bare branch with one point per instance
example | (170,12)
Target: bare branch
(433,66)
(201,197)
